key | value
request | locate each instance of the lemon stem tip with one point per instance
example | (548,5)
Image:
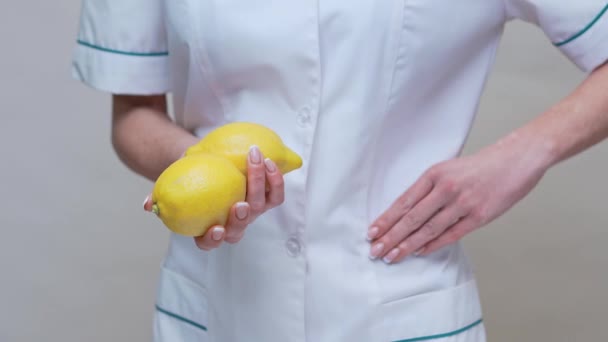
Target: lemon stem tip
(155,209)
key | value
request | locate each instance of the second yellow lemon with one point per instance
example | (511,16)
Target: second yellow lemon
(232,141)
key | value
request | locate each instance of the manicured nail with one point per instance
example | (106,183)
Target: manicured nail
(255,155)
(391,256)
(419,252)
(217,233)
(149,206)
(372,233)
(376,251)
(242,210)
(270,165)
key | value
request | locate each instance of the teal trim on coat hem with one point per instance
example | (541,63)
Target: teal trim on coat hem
(181,318)
(583,31)
(452,333)
(119,52)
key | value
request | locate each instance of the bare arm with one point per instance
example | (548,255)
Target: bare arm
(144,136)
(574,124)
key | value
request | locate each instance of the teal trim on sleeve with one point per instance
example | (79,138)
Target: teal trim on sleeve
(452,333)
(180,318)
(126,53)
(583,31)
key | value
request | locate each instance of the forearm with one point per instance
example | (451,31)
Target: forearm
(570,127)
(144,136)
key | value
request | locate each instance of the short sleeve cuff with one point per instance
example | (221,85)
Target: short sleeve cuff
(589,47)
(121,72)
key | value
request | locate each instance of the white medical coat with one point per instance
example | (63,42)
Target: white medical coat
(370,93)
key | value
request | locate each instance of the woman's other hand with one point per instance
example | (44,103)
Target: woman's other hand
(456,197)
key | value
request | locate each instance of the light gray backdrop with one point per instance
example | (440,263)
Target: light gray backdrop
(79,258)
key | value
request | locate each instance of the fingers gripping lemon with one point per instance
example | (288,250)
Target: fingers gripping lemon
(196,192)
(233,141)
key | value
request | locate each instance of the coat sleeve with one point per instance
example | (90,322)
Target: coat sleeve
(579,28)
(121,47)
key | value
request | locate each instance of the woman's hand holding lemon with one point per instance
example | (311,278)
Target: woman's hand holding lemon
(221,184)
(260,172)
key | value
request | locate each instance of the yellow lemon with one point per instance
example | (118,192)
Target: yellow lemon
(196,192)
(233,141)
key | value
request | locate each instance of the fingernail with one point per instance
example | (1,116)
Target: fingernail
(372,232)
(419,252)
(146,201)
(270,165)
(242,209)
(255,155)
(376,250)
(217,233)
(391,256)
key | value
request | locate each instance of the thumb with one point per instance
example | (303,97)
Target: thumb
(148,203)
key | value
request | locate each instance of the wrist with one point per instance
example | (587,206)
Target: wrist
(182,145)
(535,150)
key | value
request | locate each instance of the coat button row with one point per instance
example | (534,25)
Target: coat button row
(293,246)
(304,117)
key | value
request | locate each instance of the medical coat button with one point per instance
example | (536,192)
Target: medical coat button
(304,117)
(293,247)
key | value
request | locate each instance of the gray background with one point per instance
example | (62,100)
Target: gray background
(79,258)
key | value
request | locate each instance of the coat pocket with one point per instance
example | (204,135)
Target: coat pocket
(441,314)
(182,300)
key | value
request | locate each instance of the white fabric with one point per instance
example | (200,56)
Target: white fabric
(121,74)
(564,20)
(370,94)
(130,47)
